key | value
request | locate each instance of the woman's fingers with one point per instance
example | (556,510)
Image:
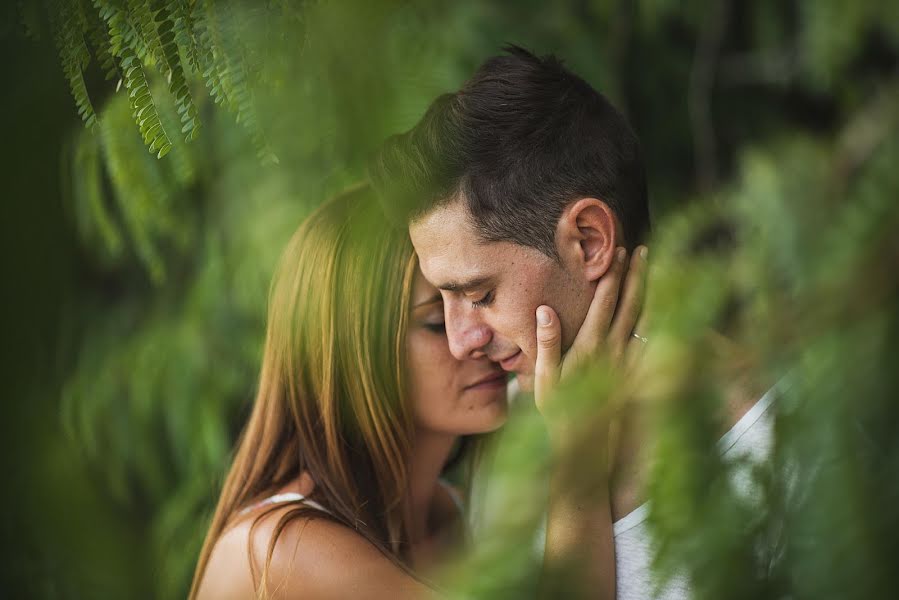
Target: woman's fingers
(609,326)
(549,354)
(630,306)
(635,345)
(595,328)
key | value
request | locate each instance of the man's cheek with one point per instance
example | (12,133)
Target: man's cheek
(528,345)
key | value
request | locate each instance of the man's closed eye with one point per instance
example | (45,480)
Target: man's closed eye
(486,300)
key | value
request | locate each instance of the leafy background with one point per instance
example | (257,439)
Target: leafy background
(138,245)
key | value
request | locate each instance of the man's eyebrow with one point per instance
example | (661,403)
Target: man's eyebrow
(466,286)
(430,300)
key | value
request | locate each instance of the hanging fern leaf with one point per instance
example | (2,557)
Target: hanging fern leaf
(190,122)
(122,33)
(74,56)
(180,165)
(98,35)
(181,38)
(208,36)
(231,74)
(142,105)
(143,20)
(183,24)
(112,16)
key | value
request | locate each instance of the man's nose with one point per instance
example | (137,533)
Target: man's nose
(467,334)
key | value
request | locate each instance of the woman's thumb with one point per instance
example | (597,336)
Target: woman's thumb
(549,353)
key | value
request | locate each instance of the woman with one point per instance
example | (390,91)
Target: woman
(335,488)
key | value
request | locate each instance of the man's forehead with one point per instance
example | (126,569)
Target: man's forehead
(448,224)
(453,256)
(455,269)
(446,242)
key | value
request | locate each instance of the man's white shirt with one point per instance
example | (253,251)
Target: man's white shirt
(748,443)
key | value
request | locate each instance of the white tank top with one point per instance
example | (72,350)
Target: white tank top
(282,498)
(750,438)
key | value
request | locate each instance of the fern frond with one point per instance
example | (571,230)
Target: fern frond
(142,105)
(98,36)
(68,29)
(208,36)
(183,24)
(180,166)
(190,122)
(122,33)
(228,74)
(143,19)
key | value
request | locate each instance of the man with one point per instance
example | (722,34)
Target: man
(519,190)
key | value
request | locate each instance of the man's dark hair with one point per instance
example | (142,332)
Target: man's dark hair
(522,139)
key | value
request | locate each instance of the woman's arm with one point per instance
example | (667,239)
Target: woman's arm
(579,556)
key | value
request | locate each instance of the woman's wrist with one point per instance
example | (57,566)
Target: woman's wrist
(579,463)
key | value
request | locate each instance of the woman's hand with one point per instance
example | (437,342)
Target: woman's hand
(579,552)
(608,331)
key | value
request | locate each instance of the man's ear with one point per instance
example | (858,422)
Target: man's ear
(587,235)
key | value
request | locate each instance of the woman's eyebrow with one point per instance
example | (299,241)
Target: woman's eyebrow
(435,298)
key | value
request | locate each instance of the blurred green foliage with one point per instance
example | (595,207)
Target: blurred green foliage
(781,116)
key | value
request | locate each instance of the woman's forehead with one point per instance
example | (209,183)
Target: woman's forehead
(423,292)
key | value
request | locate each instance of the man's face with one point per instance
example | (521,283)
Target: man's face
(491,290)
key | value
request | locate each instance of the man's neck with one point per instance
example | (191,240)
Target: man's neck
(742,392)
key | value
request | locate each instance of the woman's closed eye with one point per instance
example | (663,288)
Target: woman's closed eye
(435,327)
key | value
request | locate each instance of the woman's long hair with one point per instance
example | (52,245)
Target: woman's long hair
(332,398)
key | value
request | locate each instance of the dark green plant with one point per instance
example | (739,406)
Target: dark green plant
(779,116)
(182,41)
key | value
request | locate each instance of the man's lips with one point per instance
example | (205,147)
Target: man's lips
(495,379)
(508,363)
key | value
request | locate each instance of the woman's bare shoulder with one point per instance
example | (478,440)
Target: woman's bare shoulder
(313,556)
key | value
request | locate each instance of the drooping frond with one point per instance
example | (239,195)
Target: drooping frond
(180,166)
(178,86)
(185,41)
(181,13)
(143,36)
(142,106)
(122,33)
(68,31)
(143,20)
(228,74)
(207,38)
(98,36)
